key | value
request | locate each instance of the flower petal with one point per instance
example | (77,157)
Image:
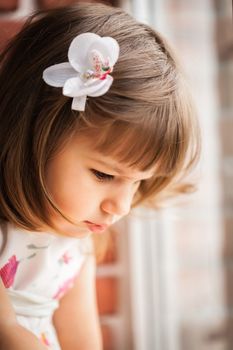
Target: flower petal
(103,88)
(78,50)
(79,103)
(72,87)
(108,47)
(75,87)
(57,74)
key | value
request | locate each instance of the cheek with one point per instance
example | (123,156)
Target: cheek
(75,192)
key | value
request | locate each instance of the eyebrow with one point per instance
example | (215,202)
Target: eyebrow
(115,168)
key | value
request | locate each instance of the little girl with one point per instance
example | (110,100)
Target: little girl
(95,119)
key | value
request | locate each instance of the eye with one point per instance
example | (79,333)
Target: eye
(102,176)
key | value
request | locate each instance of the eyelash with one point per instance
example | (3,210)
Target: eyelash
(102,176)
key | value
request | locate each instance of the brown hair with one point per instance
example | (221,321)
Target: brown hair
(145,119)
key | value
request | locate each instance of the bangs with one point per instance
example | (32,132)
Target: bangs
(128,145)
(142,146)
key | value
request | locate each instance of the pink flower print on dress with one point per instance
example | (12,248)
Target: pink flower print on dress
(65,287)
(65,258)
(44,339)
(8,271)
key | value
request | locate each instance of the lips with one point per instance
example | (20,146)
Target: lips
(96,227)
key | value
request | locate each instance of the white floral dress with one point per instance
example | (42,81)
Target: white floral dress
(37,269)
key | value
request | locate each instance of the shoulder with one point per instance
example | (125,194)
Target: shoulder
(82,294)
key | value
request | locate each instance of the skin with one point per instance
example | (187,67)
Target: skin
(77,181)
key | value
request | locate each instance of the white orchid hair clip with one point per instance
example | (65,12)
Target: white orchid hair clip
(91,60)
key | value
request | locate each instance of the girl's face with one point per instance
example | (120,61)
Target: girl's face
(89,188)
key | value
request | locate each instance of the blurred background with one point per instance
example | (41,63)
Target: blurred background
(166,282)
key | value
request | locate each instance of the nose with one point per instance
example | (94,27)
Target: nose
(118,203)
